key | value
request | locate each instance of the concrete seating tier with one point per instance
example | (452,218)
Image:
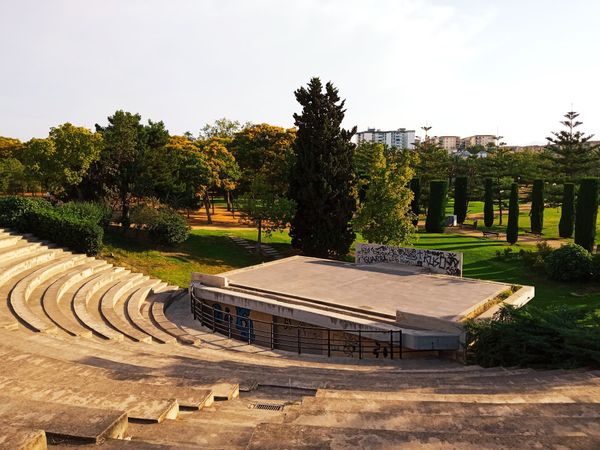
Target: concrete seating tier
(90,355)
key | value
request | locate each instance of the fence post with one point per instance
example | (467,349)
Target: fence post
(202,313)
(400,338)
(229,326)
(391,344)
(272,336)
(248,330)
(359,344)
(299,345)
(214,321)
(329,342)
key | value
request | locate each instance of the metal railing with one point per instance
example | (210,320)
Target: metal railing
(285,335)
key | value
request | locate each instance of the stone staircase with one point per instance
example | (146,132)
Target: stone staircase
(93,355)
(265,249)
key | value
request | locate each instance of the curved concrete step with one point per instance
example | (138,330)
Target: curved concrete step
(150,409)
(10,272)
(134,305)
(157,308)
(20,294)
(8,240)
(56,301)
(84,304)
(22,438)
(114,299)
(63,422)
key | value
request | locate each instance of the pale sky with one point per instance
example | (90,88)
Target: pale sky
(462,66)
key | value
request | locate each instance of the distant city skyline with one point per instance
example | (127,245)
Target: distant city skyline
(464,67)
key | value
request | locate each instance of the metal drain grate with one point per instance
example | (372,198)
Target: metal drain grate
(266,406)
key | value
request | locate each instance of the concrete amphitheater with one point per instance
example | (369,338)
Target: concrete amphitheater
(96,356)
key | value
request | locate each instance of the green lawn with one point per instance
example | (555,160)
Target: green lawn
(210,251)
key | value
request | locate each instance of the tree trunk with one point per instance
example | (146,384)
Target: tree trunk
(212,202)
(259,239)
(228,199)
(500,207)
(124,212)
(207,207)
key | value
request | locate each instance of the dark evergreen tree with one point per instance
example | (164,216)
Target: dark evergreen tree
(567,214)
(415,205)
(488,207)
(436,211)
(570,152)
(537,207)
(461,199)
(586,213)
(322,179)
(512,228)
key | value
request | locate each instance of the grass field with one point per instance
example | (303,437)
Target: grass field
(210,251)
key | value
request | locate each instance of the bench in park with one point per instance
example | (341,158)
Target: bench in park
(469,226)
(487,233)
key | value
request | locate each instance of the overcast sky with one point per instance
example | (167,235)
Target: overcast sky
(464,66)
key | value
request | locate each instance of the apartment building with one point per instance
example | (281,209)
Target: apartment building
(400,138)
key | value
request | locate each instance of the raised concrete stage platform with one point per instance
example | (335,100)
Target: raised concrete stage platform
(428,307)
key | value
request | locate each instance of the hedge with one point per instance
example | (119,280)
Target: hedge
(415,204)
(461,199)
(586,213)
(488,207)
(537,207)
(571,262)
(12,209)
(567,216)
(512,228)
(170,228)
(436,211)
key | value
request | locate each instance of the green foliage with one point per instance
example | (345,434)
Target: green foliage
(512,228)
(64,229)
(533,337)
(169,228)
(433,164)
(436,211)
(570,152)
(461,198)
(95,212)
(586,213)
(596,266)
(570,262)
(537,207)
(13,208)
(384,217)
(536,259)
(415,204)
(488,208)
(322,179)
(567,216)
(143,216)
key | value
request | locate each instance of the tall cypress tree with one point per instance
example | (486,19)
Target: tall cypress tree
(512,228)
(322,178)
(586,213)
(537,207)
(567,211)
(436,209)
(461,199)
(488,207)
(415,205)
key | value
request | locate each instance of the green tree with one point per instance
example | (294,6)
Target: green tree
(266,209)
(586,213)
(488,206)
(512,228)
(436,210)
(537,207)
(499,166)
(322,179)
(461,198)
(363,159)
(415,204)
(384,217)
(10,147)
(433,164)
(567,215)
(221,128)
(37,157)
(569,150)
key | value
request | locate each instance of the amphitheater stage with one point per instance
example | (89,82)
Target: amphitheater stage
(428,308)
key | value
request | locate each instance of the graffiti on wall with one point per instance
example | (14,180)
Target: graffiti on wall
(243,323)
(448,263)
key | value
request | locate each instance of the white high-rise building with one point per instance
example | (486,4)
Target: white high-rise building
(400,138)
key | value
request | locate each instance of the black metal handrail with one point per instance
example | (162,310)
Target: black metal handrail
(300,338)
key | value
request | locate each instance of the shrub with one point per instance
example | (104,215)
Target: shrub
(415,204)
(64,229)
(567,215)
(170,228)
(461,199)
(488,207)
(94,212)
(512,228)
(536,259)
(586,213)
(436,211)
(144,216)
(571,262)
(12,209)
(531,337)
(537,207)
(596,266)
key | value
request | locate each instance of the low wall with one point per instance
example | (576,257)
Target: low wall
(447,263)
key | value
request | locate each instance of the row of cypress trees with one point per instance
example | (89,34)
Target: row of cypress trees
(586,209)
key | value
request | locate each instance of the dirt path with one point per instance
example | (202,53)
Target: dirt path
(221,219)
